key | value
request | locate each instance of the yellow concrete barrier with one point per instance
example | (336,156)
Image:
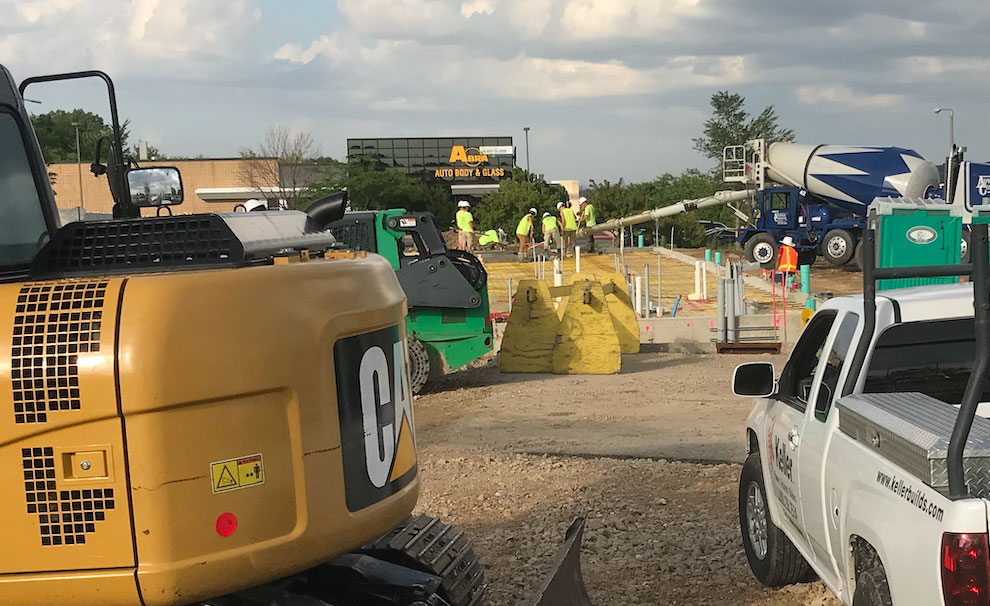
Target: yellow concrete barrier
(530,334)
(570,281)
(624,318)
(586,339)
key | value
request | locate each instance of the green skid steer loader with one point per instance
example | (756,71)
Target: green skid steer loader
(449,325)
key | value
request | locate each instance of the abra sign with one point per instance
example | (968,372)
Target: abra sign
(977,189)
(471,156)
(374,404)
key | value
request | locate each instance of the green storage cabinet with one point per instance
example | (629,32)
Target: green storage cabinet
(912,232)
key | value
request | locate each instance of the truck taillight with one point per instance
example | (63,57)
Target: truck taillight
(965,569)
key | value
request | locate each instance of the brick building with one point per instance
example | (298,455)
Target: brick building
(209,185)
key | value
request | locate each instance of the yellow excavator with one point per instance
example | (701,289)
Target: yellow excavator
(207,409)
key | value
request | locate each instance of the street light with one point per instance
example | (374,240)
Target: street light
(79,164)
(526,130)
(952,127)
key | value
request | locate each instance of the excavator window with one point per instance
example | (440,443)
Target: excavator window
(22,221)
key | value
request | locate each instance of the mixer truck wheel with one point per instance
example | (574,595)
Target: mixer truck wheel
(762,249)
(838,247)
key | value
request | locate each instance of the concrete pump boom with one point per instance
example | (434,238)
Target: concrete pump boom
(718,198)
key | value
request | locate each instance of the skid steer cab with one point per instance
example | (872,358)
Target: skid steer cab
(449,325)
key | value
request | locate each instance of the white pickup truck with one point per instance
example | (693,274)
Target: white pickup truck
(869,458)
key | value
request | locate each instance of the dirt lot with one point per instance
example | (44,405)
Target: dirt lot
(514,458)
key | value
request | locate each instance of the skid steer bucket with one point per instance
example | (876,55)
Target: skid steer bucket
(564,585)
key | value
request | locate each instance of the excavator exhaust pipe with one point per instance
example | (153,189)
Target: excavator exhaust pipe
(564,585)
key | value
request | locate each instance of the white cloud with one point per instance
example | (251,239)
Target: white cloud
(477,7)
(841,96)
(929,67)
(324,46)
(600,19)
(39,9)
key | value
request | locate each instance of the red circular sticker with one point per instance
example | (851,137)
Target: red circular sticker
(226,524)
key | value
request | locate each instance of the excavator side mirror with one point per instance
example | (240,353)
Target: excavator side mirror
(155,187)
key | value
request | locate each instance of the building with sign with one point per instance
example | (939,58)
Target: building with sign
(471,165)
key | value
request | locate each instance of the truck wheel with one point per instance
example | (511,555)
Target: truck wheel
(419,364)
(838,247)
(762,249)
(872,588)
(964,247)
(772,557)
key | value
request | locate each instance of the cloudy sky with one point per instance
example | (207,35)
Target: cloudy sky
(610,88)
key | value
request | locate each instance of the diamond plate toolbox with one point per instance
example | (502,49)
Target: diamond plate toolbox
(912,431)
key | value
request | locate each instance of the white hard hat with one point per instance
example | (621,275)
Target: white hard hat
(463,203)
(559,204)
(582,200)
(547,215)
(533,211)
(787,241)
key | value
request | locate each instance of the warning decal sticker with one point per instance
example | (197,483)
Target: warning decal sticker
(237,473)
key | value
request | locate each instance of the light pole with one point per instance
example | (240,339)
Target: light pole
(952,126)
(526,130)
(79,165)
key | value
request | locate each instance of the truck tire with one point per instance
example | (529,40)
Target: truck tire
(762,249)
(872,588)
(838,247)
(858,255)
(772,557)
(419,364)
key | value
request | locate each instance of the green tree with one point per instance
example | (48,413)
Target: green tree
(730,124)
(372,189)
(57,135)
(515,196)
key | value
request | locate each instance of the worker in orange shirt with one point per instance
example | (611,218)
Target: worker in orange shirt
(787,259)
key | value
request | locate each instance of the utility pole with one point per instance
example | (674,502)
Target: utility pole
(526,130)
(79,166)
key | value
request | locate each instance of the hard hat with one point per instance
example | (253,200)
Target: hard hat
(533,211)
(545,215)
(582,200)
(787,241)
(463,203)
(560,204)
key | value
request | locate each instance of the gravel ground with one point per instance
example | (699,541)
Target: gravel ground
(659,531)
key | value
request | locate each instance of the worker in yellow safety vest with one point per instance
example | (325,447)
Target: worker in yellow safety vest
(588,218)
(568,224)
(551,231)
(787,259)
(465,226)
(524,231)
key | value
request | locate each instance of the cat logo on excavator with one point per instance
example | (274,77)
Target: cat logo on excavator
(375,407)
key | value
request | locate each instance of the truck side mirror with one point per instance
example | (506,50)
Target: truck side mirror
(754,380)
(155,186)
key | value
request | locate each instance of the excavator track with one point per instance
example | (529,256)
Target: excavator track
(429,545)
(422,562)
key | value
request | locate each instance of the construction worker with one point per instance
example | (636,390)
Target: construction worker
(787,259)
(524,231)
(588,219)
(568,224)
(492,239)
(551,231)
(465,226)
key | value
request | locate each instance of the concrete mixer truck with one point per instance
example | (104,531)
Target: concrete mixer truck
(820,195)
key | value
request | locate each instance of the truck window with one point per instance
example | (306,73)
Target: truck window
(798,374)
(837,356)
(22,221)
(780,201)
(933,357)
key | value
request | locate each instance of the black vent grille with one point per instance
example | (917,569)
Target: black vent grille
(357,233)
(53,324)
(65,516)
(140,244)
